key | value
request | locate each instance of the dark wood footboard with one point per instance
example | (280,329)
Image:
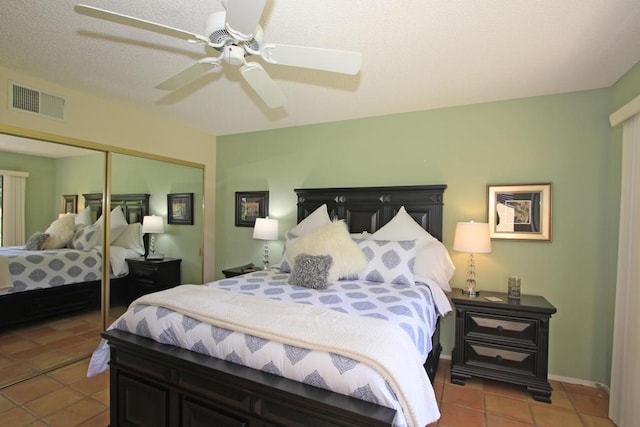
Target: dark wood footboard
(155,385)
(159,385)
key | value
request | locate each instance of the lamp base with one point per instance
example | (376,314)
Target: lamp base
(471,292)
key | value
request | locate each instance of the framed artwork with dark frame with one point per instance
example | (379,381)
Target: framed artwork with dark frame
(180,208)
(519,211)
(70,203)
(251,205)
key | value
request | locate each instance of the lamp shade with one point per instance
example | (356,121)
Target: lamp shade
(266,229)
(152,224)
(472,237)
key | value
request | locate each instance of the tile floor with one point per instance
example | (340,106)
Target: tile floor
(65,397)
(36,347)
(486,403)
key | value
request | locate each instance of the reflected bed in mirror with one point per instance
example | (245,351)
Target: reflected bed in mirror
(51,313)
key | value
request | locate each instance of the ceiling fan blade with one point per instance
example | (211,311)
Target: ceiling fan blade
(262,84)
(243,17)
(143,24)
(337,61)
(189,74)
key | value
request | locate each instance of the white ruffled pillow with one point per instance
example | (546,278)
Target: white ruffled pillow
(332,240)
(60,233)
(432,258)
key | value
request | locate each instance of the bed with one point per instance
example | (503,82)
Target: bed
(51,282)
(149,368)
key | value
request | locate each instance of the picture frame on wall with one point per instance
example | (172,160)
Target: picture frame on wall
(180,208)
(251,205)
(70,203)
(519,211)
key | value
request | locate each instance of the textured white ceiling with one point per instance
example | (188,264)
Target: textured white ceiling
(417,55)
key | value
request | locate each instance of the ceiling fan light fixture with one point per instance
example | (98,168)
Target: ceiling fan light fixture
(215,29)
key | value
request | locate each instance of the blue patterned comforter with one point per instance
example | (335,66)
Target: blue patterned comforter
(49,268)
(408,306)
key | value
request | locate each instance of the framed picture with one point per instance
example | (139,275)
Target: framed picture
(519,211)
(180,208)
(251,205)
(70,203)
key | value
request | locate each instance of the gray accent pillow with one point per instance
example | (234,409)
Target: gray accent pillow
(311,271)
(35,241)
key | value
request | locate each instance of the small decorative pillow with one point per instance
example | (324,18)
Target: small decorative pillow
(311,271)
(389,261)
(86,237)
(35,241)
(333,240)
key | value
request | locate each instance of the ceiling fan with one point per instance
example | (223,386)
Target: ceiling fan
(236,34)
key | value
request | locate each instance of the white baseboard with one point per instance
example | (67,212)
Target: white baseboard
(560,378)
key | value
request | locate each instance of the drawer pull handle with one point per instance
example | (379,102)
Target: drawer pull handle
(500,329)
(499,359)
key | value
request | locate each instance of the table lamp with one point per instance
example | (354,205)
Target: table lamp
(266,229)
(472,237)
(153,224)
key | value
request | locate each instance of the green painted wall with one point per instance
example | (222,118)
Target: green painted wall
(40,195)
(563,139)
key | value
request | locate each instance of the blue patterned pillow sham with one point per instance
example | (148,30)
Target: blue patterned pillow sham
(389,261)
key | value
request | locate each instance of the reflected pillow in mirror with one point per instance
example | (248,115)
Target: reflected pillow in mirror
(60,233)
(86,238)
(35,241)
(131,238)
(118,223)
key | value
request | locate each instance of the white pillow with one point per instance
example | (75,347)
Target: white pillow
(434,262)
(83,217)
(118,222)
(388,261)
(131,238)
(317,219)
(333,240)
(60,233)
(432,258)
(86,237)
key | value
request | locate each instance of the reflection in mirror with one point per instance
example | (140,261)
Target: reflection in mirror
(49,295)
(177,246)
(46,328)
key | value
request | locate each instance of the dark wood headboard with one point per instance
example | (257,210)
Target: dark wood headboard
(369,208)
(134,206)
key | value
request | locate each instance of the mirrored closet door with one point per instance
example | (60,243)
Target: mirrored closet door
(60,323)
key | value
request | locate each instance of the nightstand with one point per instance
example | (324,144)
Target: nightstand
(151,275)
(505,340)
(238,271)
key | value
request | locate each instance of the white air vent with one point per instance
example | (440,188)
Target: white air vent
(22,98)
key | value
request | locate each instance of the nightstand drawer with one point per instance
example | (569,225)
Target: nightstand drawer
(144,272)
(511,329)
(501,358)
